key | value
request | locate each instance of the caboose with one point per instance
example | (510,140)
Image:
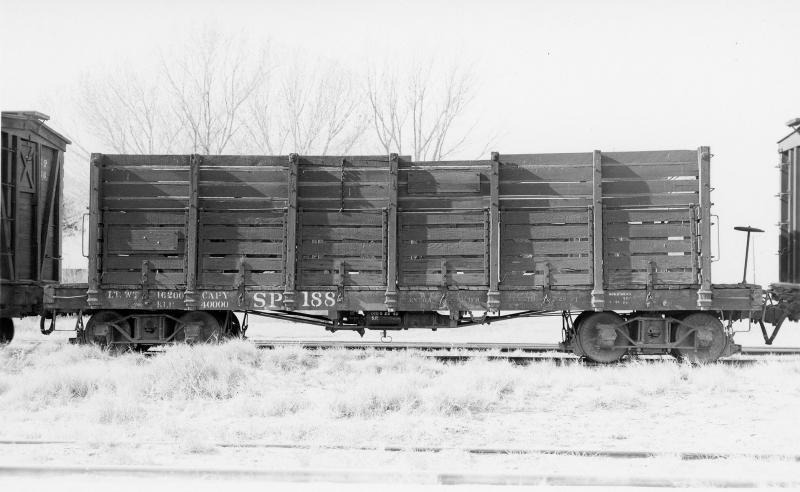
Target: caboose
(30,208)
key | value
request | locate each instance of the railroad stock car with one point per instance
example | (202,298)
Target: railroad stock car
(30,209)
(178,243)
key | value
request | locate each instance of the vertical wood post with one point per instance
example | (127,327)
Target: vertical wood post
(704,163)
(493,296)
(290,266)
(95,178)
(598,294)
(190,299)
(391,237)
(795,211)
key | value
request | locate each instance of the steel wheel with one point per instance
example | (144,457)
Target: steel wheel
(100,329)
(599,338)
(6,330)
(233,329)
(705,334)
(198,327)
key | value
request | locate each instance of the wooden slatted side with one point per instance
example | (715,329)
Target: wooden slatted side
(650,247)
(243,183)
(241,246)
(650,179)
(443,249)
(537,243)
(341,249)
(545,181)
(145,182)
(443,185)
(343,182)
(133,237)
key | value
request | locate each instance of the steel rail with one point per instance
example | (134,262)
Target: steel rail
(387,476)
(577,452)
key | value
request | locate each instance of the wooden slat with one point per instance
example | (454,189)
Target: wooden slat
(135,278)
(510,174)
(114,262)
(271,175)
(544,247)
(421,233)
(342,233)
(424,182)
(648,230)
(341,219)
(354,263)
(557,264)
(241,232)
(146,175)
(651,157)
(533,218)
(642,262)
(208,263)
(145,161)
(623,216)
(441,248)
(241,247)
(362,249)
(444,202)
(561,159)
(241,218)
(142,190)
(258,161)
(410,218)
(545,203)
(311,161)
(241,204)
(134,203)
(626,277)
(623,188)
(454,279)
(542,189)
(346,203)
(649,246)
(556,279)
(229,279)
(144,218)
(352,176)
(455,263)
(649,171)
(672,199)
(512,231)
(150,239)
(319,191)
(317,278)
(252,190)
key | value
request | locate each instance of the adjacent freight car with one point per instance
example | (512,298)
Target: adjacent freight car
(30,209)
(783,298)
(178,243)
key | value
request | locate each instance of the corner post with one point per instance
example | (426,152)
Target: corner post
(190,299)
(95,172)
(391,237)
(704,163)
(493,296)
(598,294)
(290,263)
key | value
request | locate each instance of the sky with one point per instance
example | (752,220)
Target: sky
(566,76)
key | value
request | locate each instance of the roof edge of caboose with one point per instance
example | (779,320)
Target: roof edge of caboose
(34,121)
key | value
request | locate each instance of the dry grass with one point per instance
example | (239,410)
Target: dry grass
(195,396)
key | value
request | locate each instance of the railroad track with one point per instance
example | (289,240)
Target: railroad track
(578,452)
(360,476)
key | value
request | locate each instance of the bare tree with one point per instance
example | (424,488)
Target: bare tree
(425,112)
(210,83)
(127,114)
(308,108)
